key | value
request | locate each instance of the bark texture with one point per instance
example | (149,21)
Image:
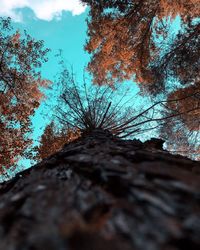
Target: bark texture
(102,193)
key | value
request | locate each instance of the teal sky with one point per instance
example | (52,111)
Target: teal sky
(69,34)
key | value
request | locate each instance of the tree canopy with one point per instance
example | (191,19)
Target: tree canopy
(122,39)
(21,56)
(131,40)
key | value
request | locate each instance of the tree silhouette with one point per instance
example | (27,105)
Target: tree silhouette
(20,90)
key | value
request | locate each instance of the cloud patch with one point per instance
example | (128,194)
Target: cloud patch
(43,9)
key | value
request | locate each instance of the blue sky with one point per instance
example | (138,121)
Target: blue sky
(64,29)
(67,33)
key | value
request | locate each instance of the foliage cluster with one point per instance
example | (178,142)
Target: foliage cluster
(127,48)
(20,90)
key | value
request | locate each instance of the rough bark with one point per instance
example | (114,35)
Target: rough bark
(103,193)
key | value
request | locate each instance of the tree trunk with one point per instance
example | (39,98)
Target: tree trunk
(102,193)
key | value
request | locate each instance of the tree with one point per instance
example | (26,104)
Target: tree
(189,99)
(131,40)
(57,139)
(87,107)
(101,192)
(179,62)
(21,56)
(125,45)
(182,132)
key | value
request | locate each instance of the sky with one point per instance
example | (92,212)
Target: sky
(61,28)
(62,25)
(43,9)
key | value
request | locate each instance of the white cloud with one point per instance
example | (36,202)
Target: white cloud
(43,9)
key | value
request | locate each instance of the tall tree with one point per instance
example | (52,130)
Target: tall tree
(21,56)
(131,40)
(103,193)
(87,107)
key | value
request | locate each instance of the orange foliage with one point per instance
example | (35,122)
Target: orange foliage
(123,41)
(188,105)
(120,36)
(52,141)
(20,91)
(182,131)
(179,7)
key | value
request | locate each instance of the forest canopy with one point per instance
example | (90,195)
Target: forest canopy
(131,40)
(128,40)
(122,39)
(21,57)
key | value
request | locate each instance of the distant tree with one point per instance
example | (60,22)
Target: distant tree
(53,140)
(180,140)
(189,99)
(20,90)
(183,131)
